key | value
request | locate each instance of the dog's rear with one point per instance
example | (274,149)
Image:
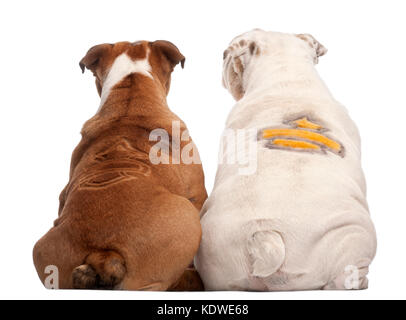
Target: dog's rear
(153,243)
(125,223)
(101,269)
(300,221)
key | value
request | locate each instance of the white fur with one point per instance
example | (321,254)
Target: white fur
(123,66)
(302,219)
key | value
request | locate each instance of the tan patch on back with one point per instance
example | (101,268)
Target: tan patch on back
(306,136)
(295,144)
(304,123)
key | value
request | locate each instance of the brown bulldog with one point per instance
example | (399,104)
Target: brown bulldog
(128,220)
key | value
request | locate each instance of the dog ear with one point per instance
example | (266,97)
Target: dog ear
(92,58)
(235,60)
(319,49)
(170,51)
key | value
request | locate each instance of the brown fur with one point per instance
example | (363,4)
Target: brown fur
(190,281)
(123,222)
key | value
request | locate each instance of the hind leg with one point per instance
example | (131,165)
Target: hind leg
(352,257)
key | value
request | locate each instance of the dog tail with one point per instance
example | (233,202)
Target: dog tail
(266,253)
(101,270)
(265,246)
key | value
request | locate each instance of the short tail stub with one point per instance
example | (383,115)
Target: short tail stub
(101,270)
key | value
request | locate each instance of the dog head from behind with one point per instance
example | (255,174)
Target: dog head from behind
(247,49)
(153,59)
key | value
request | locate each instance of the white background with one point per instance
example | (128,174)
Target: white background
(45,100)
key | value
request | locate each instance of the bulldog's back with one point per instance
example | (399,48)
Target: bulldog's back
(126,222)
(300,220)
(313,199)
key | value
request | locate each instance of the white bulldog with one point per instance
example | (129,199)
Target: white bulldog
(300,221)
